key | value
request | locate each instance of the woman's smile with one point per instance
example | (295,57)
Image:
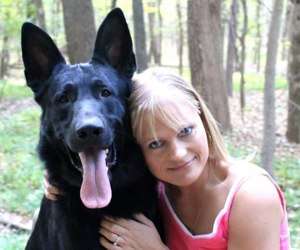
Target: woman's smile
(183,166)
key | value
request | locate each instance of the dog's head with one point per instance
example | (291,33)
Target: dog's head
(83,104)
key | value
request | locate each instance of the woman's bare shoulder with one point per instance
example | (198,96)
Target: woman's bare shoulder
(256,211)
(239,168)
(257,187)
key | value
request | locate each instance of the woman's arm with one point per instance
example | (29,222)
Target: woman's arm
(130,234)
(256,216)
(115,233)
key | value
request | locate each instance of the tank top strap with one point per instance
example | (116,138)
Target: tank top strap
(232,193)
(240,181)
(279,191)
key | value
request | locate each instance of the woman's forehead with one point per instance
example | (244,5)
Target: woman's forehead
(181,109)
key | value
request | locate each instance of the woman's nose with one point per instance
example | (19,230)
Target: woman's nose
(178,150)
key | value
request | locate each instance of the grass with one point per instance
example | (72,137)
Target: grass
(13,241)
(10,91)
(288,173)
(255,82)
(20,170)
(20,177)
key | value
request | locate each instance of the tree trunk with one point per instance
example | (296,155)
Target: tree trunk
(36,13)
(4,56)
(268,146)
(4,59)
(180,37)
(293,127)
(151,23)
(31,11)
(55,24)
(257,49)
(223,22)
(231,47)
(113,4)
(79,28)
(243,55)
(40,13)
(139,35)
(285,33)
(154,48)
(160,34)
(207,73)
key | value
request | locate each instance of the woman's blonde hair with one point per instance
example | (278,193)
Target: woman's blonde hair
(156,86)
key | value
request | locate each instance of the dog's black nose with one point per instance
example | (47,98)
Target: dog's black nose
(89,132)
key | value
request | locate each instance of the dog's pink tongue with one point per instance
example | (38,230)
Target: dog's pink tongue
(95,190)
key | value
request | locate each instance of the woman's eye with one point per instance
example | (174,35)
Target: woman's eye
(155,144)
(185,131)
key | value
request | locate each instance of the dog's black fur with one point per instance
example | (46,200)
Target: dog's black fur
(84,109)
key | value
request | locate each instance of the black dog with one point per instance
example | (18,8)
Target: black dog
(86,141)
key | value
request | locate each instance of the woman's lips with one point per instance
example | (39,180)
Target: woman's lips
(182,166)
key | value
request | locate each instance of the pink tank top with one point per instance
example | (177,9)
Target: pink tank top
(178,237)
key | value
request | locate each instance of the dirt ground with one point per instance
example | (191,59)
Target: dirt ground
(249,131)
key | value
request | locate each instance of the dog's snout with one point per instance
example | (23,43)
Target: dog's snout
(89,132)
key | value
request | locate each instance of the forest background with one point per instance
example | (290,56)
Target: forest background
(242,56)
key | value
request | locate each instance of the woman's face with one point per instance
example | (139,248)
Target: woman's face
(176,156)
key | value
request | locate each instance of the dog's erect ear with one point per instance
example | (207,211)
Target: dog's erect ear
(114,45)
(40,54)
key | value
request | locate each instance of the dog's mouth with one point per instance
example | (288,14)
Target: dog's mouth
(95,191)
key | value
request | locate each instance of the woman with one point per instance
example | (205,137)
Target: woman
(207,200)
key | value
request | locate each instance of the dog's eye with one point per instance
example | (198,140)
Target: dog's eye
(62,99)
(105,93)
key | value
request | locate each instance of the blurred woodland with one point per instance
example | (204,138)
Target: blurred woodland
(242,56)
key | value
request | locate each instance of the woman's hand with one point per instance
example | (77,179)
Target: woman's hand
(51,192)
(130,234)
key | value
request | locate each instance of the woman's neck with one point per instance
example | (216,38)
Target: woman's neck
(201,197)
(214,173)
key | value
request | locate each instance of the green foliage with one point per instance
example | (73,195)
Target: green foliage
(240,153)
(12,14)
(21,174)
(256,82)
(288,173)
(13,241)
(10,91)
